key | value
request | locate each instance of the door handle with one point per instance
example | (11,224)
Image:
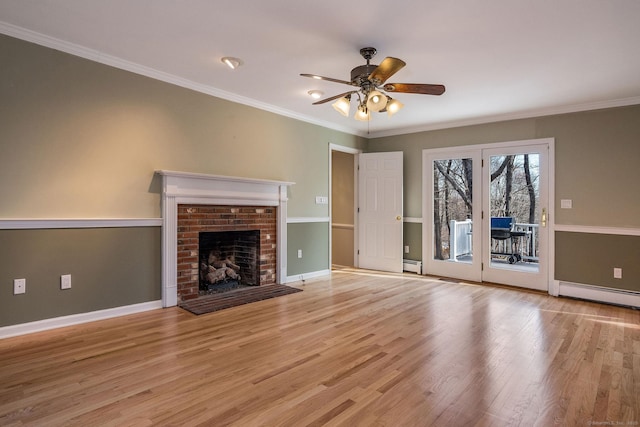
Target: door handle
(543,217)
(399,218)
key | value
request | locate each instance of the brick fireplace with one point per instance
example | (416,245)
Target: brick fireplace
(224,227)
(194,203)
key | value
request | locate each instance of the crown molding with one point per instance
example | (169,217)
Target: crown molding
(103,58)
(113,61)
(563,109)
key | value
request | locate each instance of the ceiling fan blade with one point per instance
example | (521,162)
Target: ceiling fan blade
(329,79)
(424,89)
(387,68)
(322,101)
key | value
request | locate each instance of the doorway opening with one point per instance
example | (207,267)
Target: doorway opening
(343,206)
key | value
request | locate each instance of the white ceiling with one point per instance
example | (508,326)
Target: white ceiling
(499,59)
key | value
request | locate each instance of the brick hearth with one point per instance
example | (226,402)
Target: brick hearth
(193,219)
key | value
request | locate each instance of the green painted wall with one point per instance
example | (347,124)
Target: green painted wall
(313,239)
(412,234)
(596,165)
(590,258)
(82,140)
(109,267)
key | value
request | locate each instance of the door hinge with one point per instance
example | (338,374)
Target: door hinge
(482,163)
(482,266)
(482,215)
(358,251)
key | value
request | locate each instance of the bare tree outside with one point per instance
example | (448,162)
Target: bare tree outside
(514,191)
(452,200)
(515,187)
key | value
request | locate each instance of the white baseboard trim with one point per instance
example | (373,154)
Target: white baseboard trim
(599,294)
(76,319)
(307,276)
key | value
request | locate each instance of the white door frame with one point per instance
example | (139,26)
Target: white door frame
(428,154)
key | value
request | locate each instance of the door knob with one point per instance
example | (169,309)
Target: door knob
(543,217)
(399,218)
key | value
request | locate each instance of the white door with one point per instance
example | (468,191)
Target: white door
(380,211)
(451,209)
(516,216)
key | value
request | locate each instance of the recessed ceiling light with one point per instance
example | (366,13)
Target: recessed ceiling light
(316,94)
(231,62)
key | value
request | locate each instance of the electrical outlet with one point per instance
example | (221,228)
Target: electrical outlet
(65,281)
(406,249)
(322,200)
(299,253)
(617,273)
(19,286)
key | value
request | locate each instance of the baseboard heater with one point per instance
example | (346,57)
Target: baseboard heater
(599,294)
(412,266)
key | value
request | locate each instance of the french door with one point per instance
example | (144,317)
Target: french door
(452,214)
(486,213)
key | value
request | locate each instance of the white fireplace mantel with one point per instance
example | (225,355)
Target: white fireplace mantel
(193,188)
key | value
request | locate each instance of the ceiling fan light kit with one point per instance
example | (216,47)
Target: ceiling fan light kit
(362,114)
(370,82)
(343,105)
(376,101)
(393,106)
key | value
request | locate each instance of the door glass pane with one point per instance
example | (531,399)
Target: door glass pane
(452,210)
(515,211)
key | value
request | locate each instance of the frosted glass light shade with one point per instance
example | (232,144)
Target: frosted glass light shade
(393,106)
(362,114)
(376,101)
(342,106)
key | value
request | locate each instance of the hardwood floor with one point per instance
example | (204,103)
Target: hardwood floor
(359,349)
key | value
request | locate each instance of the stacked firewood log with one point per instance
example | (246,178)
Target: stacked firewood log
(215,268)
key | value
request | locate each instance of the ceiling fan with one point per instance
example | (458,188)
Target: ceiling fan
(370,82)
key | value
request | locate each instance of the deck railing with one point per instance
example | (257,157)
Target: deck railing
(460,239)
(528,243)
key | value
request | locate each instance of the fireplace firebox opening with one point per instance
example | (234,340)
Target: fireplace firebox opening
(228,260)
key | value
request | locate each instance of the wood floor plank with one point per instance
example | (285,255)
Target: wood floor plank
(358,349)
